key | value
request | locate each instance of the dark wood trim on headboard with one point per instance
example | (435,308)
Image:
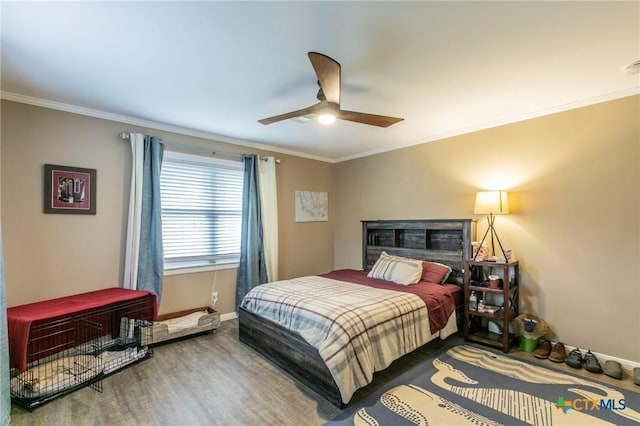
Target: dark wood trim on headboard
(446,241)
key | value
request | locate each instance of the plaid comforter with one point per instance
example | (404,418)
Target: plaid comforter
(357,329)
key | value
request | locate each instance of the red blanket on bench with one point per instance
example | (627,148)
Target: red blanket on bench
(21,318)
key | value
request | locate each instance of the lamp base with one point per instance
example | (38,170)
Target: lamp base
(491,229)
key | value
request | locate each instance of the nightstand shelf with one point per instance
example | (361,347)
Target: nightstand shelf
(506,298)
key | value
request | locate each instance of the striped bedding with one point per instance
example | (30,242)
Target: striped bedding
(356,328)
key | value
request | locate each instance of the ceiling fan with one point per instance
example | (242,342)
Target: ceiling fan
(328,109)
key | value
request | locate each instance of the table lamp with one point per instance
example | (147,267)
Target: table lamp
(492,203)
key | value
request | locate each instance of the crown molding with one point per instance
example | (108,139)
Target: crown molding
(219,138)
(60,106)
(507,120)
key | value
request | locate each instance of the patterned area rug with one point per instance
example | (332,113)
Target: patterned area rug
(468,385)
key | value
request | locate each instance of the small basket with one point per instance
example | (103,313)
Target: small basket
(530,326)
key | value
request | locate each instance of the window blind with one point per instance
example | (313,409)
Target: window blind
(201,210)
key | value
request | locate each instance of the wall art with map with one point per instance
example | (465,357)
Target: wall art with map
(312,206)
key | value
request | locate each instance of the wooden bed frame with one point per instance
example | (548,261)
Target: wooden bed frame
(295,356)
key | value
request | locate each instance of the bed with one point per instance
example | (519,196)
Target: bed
(333,331)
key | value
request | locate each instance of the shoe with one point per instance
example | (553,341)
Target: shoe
(612,369)
(574,359)
(636,376)
(558,353)
(543,350)
(591,363)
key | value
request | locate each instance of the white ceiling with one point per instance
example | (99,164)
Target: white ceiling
(214,68)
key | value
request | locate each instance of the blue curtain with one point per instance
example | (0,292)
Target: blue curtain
(252,270)
(150,260)
(5,399)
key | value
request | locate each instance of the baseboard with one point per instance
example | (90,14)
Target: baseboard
(626,364)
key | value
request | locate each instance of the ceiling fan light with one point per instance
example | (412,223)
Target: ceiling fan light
(326,119)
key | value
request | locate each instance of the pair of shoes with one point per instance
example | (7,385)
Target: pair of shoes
(543,350)
(558,353)
(591,363)
(574,359)
(636,376)
(612,369)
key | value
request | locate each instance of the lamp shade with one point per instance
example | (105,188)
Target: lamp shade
(491,202)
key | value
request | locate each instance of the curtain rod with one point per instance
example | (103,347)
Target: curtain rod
(125,136)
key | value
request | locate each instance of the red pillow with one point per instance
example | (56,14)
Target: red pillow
(435,272)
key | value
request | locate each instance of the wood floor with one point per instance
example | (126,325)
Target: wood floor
(211,379)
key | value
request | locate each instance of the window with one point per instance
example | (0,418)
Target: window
(201,210)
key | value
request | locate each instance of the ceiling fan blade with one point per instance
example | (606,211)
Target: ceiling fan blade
(328,73)
(304,111)
(364,118)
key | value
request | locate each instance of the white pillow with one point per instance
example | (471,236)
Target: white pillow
(399,270)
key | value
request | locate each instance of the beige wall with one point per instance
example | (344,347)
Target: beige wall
(573,178)
(52,255)
(574,182)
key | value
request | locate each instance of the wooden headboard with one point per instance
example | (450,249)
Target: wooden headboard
(446,241)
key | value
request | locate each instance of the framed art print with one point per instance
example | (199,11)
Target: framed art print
(311,206)
(69,190)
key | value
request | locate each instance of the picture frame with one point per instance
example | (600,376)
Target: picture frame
(70,190)
(311,206)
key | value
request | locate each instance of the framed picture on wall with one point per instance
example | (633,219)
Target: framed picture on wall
(69,190)
(312,206)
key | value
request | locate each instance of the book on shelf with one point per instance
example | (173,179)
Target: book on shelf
(490,309)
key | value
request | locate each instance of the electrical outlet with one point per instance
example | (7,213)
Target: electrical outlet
(214,298)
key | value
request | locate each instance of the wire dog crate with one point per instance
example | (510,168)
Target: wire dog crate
(65,353)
